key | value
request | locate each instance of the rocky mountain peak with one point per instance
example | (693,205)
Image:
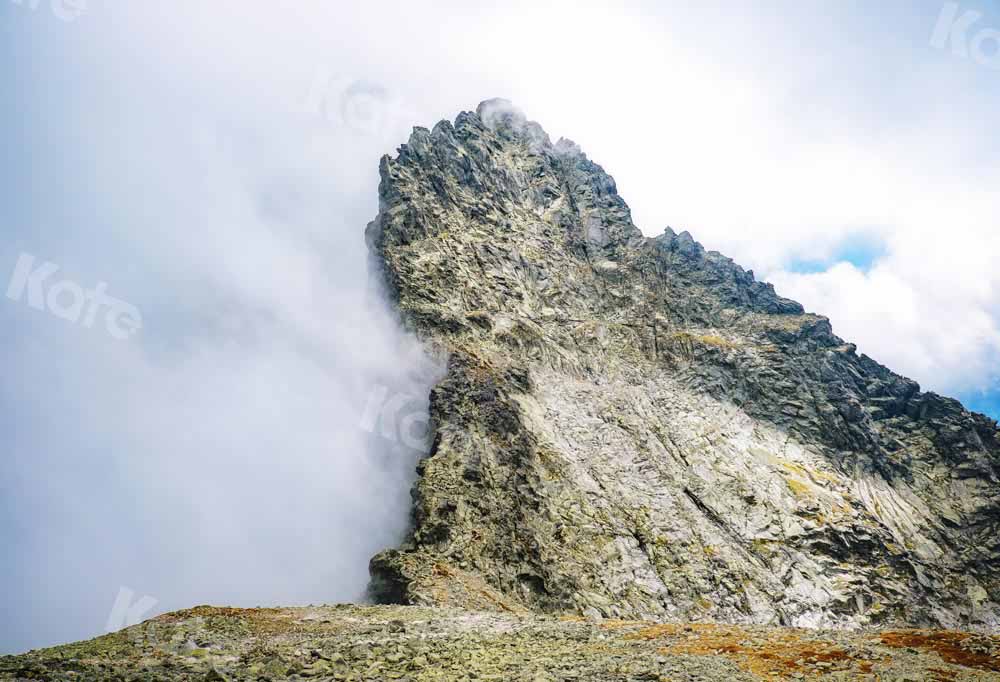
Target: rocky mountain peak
(631,429)
(638,428)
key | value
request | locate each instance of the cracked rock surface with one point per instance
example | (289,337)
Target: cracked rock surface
(637,428)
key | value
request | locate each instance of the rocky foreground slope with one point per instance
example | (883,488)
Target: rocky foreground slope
(637,428)
(417,644)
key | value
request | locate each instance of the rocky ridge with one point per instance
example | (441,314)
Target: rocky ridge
(645,465)
(637,428)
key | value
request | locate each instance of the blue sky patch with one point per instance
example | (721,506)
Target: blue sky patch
(860,250)
(987,402)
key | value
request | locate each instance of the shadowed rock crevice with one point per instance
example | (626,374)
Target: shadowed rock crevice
(634,427)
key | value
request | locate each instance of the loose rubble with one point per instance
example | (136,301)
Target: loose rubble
(417,644)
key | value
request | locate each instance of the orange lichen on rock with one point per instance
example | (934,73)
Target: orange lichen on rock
(621,624)
(775,655)
(669,629)
(958,648)
(940,675)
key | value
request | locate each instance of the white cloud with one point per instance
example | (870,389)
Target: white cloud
(929,308)
(951,342)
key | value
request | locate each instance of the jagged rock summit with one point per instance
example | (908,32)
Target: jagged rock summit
(634,430)
(637,428)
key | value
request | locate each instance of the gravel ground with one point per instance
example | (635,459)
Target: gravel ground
(371,643)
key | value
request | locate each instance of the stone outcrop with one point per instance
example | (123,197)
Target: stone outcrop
(637,428)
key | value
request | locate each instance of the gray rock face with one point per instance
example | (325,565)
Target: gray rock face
(637,428)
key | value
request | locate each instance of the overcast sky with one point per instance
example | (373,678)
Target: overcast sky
(214,164)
